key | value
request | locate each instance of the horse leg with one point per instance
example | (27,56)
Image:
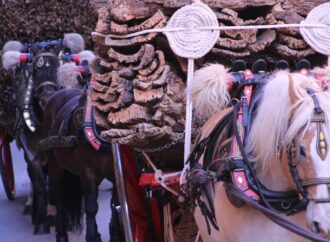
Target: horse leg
(57,198)
(28,205)
(116,234)
(39,215)
(91,207)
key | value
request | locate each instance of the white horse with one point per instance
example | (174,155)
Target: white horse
(285,113)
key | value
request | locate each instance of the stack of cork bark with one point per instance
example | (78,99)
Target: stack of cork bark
(138,96)
(138,83)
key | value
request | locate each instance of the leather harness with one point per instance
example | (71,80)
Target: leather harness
(239,175)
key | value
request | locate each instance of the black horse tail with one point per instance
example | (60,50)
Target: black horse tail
(72,201)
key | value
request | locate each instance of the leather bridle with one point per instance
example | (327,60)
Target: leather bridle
(40,63)
(198,176)
(46,83)
(293,153)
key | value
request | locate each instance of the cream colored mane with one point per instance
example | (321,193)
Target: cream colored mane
(271,128)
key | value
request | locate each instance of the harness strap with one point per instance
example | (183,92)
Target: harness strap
(315,181)
(58,142)
(46,83)
(301,203)
(273,215)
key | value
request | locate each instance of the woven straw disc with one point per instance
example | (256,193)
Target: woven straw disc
(318,38)
(192,43)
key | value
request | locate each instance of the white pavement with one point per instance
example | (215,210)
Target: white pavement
(14,227)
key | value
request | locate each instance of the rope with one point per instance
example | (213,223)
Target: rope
(302,25)
(318,38)
(193,42)
(159,177)
(198,236)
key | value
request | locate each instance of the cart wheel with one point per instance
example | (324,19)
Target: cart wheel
(6,170)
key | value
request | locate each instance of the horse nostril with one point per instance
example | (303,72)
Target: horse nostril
(317,229)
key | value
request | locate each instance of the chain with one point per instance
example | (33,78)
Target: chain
(179,137)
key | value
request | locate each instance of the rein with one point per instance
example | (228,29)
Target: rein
(222,169)
(274,216)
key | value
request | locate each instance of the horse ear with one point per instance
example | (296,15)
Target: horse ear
(292,94)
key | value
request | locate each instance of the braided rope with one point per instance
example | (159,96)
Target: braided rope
(193,42)
(318,38)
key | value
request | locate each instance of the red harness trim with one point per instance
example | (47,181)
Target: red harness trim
(238,175)
(88,130)
(148,179)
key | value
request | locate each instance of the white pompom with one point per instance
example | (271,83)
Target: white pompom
(10,59)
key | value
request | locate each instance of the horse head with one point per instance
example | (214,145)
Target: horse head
(44,76)
(290,140)
(34,75)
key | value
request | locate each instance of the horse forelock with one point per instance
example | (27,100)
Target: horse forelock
(278,121)
(67,76)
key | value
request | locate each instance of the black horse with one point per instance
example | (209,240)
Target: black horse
(24,116)
(75,167)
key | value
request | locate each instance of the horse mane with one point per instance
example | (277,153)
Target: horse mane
(274,124)
(209,90)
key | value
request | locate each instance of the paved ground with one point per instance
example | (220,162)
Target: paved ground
(14,227)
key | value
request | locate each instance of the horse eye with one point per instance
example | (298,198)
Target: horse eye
(302,151)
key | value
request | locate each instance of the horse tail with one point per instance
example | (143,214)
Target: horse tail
(209,90)
(72,200)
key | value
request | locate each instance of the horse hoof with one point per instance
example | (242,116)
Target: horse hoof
(96,238)
(27,210)
(41,229)
(62,238)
